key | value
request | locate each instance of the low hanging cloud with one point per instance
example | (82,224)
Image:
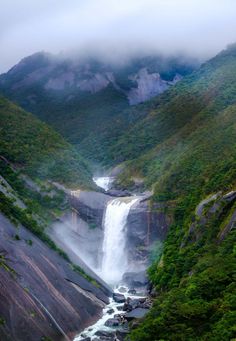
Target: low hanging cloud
(115,29)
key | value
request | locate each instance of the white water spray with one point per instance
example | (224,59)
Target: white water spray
(115,262)
(103,182)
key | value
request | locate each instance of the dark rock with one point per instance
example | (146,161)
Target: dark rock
(110,311)
(144,227)
(132,292)
(119,307)
(118,193)
(86,339)
(134,303)
(136,314)
(112,322)
(122,290)
(119,298)
(90,206)
(26,292)
(146,305)
(104,333)
(122,334)
(135,279)
(119,317)
(127,306)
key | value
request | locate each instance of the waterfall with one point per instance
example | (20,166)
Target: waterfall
(103,182)
(115,262)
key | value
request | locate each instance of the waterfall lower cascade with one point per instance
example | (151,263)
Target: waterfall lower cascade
(115,262)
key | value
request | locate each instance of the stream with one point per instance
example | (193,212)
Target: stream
(114,265)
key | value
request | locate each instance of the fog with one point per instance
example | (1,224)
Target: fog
(114,29)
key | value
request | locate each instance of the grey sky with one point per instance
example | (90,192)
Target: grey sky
(115,28)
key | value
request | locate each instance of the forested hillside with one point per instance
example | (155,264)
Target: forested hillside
(182,145)
(88,101)
(185,150)
(37,150)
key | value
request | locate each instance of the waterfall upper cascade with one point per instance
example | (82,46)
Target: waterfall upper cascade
(115,262)
(103,182)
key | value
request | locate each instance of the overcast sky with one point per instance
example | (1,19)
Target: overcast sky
(115,28)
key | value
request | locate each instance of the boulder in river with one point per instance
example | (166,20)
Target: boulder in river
(119,298)
(132,292)
(119,307)
(121,334)
(135,279)
(136,314)
(104,333)
(122,290)
(112,322)
(110,311)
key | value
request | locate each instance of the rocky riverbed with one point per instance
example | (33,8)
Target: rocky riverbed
(125,305)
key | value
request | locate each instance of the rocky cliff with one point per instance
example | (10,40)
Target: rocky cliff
(41,296)
(145,225)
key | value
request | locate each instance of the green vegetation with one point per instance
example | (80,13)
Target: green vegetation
(186,150)
(79,270)
(91,121)
(46,201)
(2,321)
(18,215)
(183,144)
(5,266)
(22,216)
(37,150)
(196,287)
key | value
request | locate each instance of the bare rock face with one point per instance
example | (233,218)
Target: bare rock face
(209,208)
(144,227)
(65,79)
(90,206)
(40,295)
(148,86)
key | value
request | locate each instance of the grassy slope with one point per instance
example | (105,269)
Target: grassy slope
(38,150)
(186,149)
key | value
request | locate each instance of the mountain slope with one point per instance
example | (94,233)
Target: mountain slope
(188,129)
(185,150)
(43,293)
(37,150)
(85,99)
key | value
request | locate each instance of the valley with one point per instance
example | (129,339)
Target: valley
(118,199)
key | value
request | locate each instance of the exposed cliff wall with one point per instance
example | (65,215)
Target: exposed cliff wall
(41,296)
(145,225)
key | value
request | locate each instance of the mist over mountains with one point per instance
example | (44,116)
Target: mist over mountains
(117,167)
(115,31)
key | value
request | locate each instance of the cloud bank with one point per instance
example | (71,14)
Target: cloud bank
(115,29)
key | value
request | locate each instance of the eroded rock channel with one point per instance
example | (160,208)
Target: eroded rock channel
(112,237)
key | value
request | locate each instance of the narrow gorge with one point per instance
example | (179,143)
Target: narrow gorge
(106,244)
